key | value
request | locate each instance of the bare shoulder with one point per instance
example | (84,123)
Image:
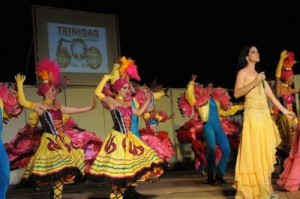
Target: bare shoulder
(242,73)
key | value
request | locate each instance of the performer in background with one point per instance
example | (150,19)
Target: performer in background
(284,80)
(289,179)
(9,107)
(194,103)
(157,140)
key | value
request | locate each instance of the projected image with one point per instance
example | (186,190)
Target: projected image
(85,44)
(78,48)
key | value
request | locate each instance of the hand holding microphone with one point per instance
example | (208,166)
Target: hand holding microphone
(261,77)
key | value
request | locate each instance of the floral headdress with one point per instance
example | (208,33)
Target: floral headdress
(48,73)
(289,61)
(287,66)
(124,70)
(129,68)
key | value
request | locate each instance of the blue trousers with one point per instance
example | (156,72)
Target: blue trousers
(4,171)
(215,135)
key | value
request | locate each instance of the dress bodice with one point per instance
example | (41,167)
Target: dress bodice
(288,98)
(51,121)
(256,99)
(288,101)
(122,118)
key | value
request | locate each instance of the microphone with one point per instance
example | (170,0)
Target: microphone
(263,81)
(259,70)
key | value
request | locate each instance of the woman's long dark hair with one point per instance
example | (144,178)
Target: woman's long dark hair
(242,62)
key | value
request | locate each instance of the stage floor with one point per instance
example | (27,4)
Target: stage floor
(175,184)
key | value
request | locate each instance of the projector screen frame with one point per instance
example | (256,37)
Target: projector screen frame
(44,15)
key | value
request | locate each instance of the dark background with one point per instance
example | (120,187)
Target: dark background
(169,41)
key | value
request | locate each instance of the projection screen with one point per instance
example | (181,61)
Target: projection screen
(85,44)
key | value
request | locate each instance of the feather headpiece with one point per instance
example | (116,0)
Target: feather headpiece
(129,68)
(287,66)
(48,71)
(289,61)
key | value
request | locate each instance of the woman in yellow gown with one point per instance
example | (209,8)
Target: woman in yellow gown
(260,136)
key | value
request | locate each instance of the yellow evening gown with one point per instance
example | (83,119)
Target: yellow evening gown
(256,154)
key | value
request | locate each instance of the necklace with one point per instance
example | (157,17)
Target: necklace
(47,101)
(119,97)
(285,85)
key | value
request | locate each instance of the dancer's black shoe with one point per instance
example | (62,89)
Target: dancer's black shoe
(211,179)
(131,193)
(220,179)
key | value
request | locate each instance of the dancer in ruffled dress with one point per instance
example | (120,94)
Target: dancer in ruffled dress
(21,148)
(289,179)
(124,158)
(57,160)
(158,140)
(284,80)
